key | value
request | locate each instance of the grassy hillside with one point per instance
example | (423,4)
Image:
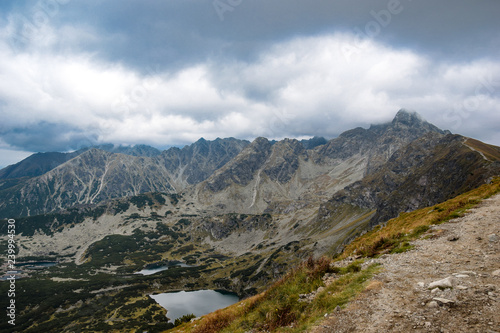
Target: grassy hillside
(489,151)
(327,282)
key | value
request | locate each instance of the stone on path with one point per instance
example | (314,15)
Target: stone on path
(442,284)
(444,301)
(493,238)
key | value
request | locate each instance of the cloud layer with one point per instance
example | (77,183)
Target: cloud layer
(66,83)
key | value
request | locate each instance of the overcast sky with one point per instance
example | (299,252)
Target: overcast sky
(80,72)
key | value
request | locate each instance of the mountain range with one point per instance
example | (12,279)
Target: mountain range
(241,213)
(344,185)
(362,167)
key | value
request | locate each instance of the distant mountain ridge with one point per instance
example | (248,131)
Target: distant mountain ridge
(265,173)
(236,175)
(93,175)
(40,163)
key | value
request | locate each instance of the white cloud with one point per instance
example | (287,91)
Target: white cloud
(301,87)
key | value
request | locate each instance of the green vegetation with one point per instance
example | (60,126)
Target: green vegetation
(398,232)
(184,319)
(491,152)
(142,200)
(50,223)
(280,306)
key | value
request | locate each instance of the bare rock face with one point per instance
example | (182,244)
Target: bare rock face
(427,171)
(242,168)
(36,165)
(195,163)
(40,163)
(94,175)
(284,160)
(91,177)
(377,169)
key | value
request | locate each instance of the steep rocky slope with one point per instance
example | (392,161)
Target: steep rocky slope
(40,163)
(36,165)
(195,163)
(94,175)
(324,195)
(228,174)
(265,174)
(427,171)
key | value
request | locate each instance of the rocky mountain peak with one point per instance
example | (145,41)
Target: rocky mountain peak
(196,162)
(414,122)
(260,143)
(133,150)
(242,168)
(408,118)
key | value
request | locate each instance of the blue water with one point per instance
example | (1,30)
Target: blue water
(37,264)
(149,271)
(199,302)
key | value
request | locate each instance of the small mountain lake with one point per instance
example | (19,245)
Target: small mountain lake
(22,268)
(36,264)
(199,303)
(149,271)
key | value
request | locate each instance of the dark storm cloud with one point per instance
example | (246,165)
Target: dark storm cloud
(174,33)
(169,72)
(59,137)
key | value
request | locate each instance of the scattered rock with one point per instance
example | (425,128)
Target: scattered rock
(442,284)
(453,238)
(490,287)
(461,276)
(493,238)
(432,304)
(404,303)
(444,301)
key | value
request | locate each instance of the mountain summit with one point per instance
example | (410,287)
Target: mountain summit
(412,119)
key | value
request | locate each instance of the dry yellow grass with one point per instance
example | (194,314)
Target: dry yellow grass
(408,226)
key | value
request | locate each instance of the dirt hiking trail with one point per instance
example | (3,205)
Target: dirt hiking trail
(448,283)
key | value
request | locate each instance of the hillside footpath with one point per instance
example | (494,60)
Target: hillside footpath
(450,282)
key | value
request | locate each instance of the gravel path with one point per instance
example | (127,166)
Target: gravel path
(467,252)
